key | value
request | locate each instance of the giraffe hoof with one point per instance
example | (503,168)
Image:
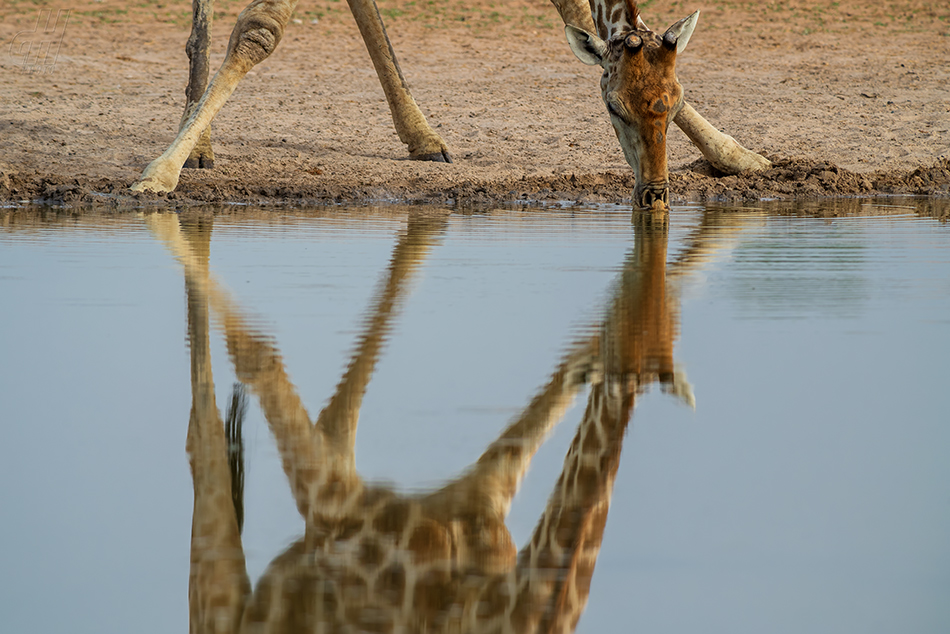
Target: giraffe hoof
(151,185)
(436,157)
(159,177)
(200,162)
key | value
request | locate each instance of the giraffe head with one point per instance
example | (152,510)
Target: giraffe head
(639,87)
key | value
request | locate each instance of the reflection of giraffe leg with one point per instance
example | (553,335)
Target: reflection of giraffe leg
(479,500)
(339,418)
(218,584)
(257,363)
(313,456)
(198,49)
(327,468)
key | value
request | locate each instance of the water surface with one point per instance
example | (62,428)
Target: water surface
(807,490)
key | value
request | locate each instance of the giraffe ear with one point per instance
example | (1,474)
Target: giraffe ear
(589,48)
(678,35)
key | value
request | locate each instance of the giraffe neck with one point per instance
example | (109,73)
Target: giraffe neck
(612,17)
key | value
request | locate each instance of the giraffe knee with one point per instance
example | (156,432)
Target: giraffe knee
(258,31)
(254,45)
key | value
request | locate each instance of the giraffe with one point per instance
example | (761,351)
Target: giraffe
(260,27)
(373,559)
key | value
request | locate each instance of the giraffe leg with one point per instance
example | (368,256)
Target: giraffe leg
(720,149)
(199,58)
(576,13)
(411,125)
(255,36)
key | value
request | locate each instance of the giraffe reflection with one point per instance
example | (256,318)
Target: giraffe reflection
(372,559)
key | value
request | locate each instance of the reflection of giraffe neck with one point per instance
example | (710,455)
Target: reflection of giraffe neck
(645,351)
(556,567)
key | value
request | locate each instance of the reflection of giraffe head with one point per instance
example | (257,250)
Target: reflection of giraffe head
(377,560)
(639,87)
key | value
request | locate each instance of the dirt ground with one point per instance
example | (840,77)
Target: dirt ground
(847,98)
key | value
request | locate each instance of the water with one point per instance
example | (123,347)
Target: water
(808,490)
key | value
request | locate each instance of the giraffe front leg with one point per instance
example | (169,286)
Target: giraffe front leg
(576,13)
(198,50)
(411,125)
(720,149)
(255,36)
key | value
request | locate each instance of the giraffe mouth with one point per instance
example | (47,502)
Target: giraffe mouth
(655,196)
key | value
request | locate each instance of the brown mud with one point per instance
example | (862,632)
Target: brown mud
(847,98)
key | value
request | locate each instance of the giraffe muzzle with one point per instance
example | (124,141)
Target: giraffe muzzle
(654,196)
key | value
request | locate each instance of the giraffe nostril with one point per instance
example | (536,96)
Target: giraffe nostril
(649,197)
(657,196)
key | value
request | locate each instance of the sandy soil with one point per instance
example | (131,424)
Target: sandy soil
(847,98)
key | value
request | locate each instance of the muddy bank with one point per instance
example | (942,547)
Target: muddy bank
(788,179)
